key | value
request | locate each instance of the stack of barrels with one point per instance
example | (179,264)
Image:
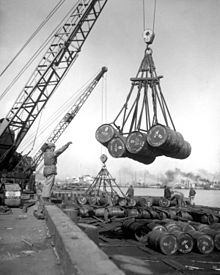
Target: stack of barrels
(160,140)
(170,236)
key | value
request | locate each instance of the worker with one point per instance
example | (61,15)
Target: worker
(178,198)
(130,192)
(49,172)
(167,192)
(192,193)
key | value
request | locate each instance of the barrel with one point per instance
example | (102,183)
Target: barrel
(85,211)
(122,202)
(116,147)
(135,229)
(154,214)
(100,212)
(131,202)
(184,241)
(185,215)
(172,226)
(105,133)
(185,227)
(214,234)
(162,137)
(82,200)
(163,241)
(163,202)
(170,142)
(92,200)
(116,212)
(136,143)
(155,226)
(184,152)
(203,243)
(145,214)
(142,159)
(133,212)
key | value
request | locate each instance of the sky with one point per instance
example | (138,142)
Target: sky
(185,51)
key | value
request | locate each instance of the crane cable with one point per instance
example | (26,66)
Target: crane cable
(154,15)
(34,56)
(33,35)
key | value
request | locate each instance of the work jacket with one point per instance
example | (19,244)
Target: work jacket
(50,161)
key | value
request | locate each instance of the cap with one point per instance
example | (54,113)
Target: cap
(50,145)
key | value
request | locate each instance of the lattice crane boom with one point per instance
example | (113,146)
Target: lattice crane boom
(56,62)
(69,116)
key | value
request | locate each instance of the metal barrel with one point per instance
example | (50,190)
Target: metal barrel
(122,202)
(144,201)
(162,137)
(92,200)
(163,202)
(155,225)
(183,152)
(116,212)
(184,241)
(105,133)
(136,143)
(116,147)
(142,159)
(100,212)
(185,215)
(82,200)
(131,202)
(203,243)
(185,226)
(133,212)
(214,234)
(145,214)
(170,142)
(86,211)
(154,214)
(200,226)
(172,226)
(163,241)
(135,229)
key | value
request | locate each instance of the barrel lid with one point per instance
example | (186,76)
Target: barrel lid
(105,133)
(135,142)
(116,147)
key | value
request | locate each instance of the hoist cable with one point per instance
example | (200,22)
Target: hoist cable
(37,52)
(33,35)
(154,18)
(144,15)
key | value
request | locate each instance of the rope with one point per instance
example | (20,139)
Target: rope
(33,35)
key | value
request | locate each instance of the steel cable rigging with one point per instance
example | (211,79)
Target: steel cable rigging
(144,128)
(40,49)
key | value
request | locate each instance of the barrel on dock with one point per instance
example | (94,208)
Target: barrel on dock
(118,212)
(202,242)
(214,234)
(184,241)
(105,133)
(163,241)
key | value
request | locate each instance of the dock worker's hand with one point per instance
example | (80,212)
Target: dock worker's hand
(68,143)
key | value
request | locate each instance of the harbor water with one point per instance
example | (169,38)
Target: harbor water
(203,197)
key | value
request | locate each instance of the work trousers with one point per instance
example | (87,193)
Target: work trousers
(47,186)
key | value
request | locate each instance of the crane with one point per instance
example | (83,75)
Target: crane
(69,116)
(61,54)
